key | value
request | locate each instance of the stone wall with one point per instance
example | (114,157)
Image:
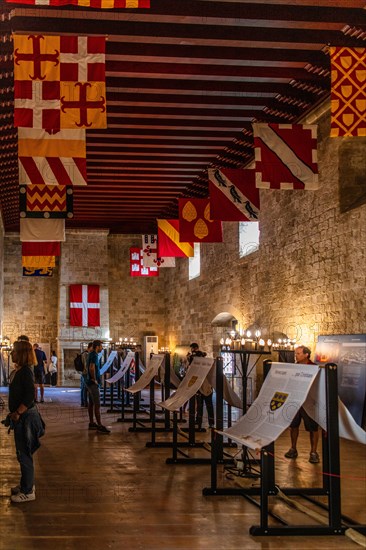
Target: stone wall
(30,303)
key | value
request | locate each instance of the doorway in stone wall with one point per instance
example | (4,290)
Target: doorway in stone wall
(224,325)
(70,376)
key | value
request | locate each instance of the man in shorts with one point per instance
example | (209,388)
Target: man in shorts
(39,372)
(302,355)
(93,381)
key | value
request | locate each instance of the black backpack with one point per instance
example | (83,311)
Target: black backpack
(78,363)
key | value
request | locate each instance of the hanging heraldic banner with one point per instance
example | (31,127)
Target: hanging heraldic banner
(286,156)
(233,194)
(137,268)
(195,222)
(348,91)
(41,229)
(169,243)
(57,158)
(59,82)
(46,201)
(84,306)
(150,256)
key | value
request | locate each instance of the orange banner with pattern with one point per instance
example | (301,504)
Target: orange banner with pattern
(348,96)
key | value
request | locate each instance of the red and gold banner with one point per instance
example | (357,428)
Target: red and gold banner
(98,4)
(46,201)
(59,82)
(51,158)
(169,241)
(195,223)
(348,92)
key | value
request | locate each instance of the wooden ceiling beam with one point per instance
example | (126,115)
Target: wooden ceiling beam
(209,53)
(200,112)
(235,87)
(233,32)
(143,68)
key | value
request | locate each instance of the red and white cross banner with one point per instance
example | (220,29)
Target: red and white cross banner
(84,306)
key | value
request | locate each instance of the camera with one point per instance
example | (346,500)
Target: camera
(6,421)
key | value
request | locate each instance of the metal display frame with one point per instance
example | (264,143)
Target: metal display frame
(337,523)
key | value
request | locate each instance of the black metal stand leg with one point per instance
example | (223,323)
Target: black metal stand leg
(191,421)
(264,490)
(335,520)
(152,412)
(167,388)
(175,437)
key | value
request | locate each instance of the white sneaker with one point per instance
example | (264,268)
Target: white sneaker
(16,490)
(21,497)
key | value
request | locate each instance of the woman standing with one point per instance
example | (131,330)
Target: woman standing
(24,418)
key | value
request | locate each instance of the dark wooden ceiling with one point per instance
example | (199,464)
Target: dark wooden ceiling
(185,80)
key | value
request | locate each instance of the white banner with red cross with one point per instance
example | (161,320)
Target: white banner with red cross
(84,306)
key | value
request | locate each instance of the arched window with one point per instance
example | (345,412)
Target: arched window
(248,238)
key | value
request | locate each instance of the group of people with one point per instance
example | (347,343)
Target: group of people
(24,418)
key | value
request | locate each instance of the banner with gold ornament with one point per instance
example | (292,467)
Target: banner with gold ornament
(195,222)
(348,91)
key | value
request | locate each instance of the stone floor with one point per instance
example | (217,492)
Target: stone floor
(110,491)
